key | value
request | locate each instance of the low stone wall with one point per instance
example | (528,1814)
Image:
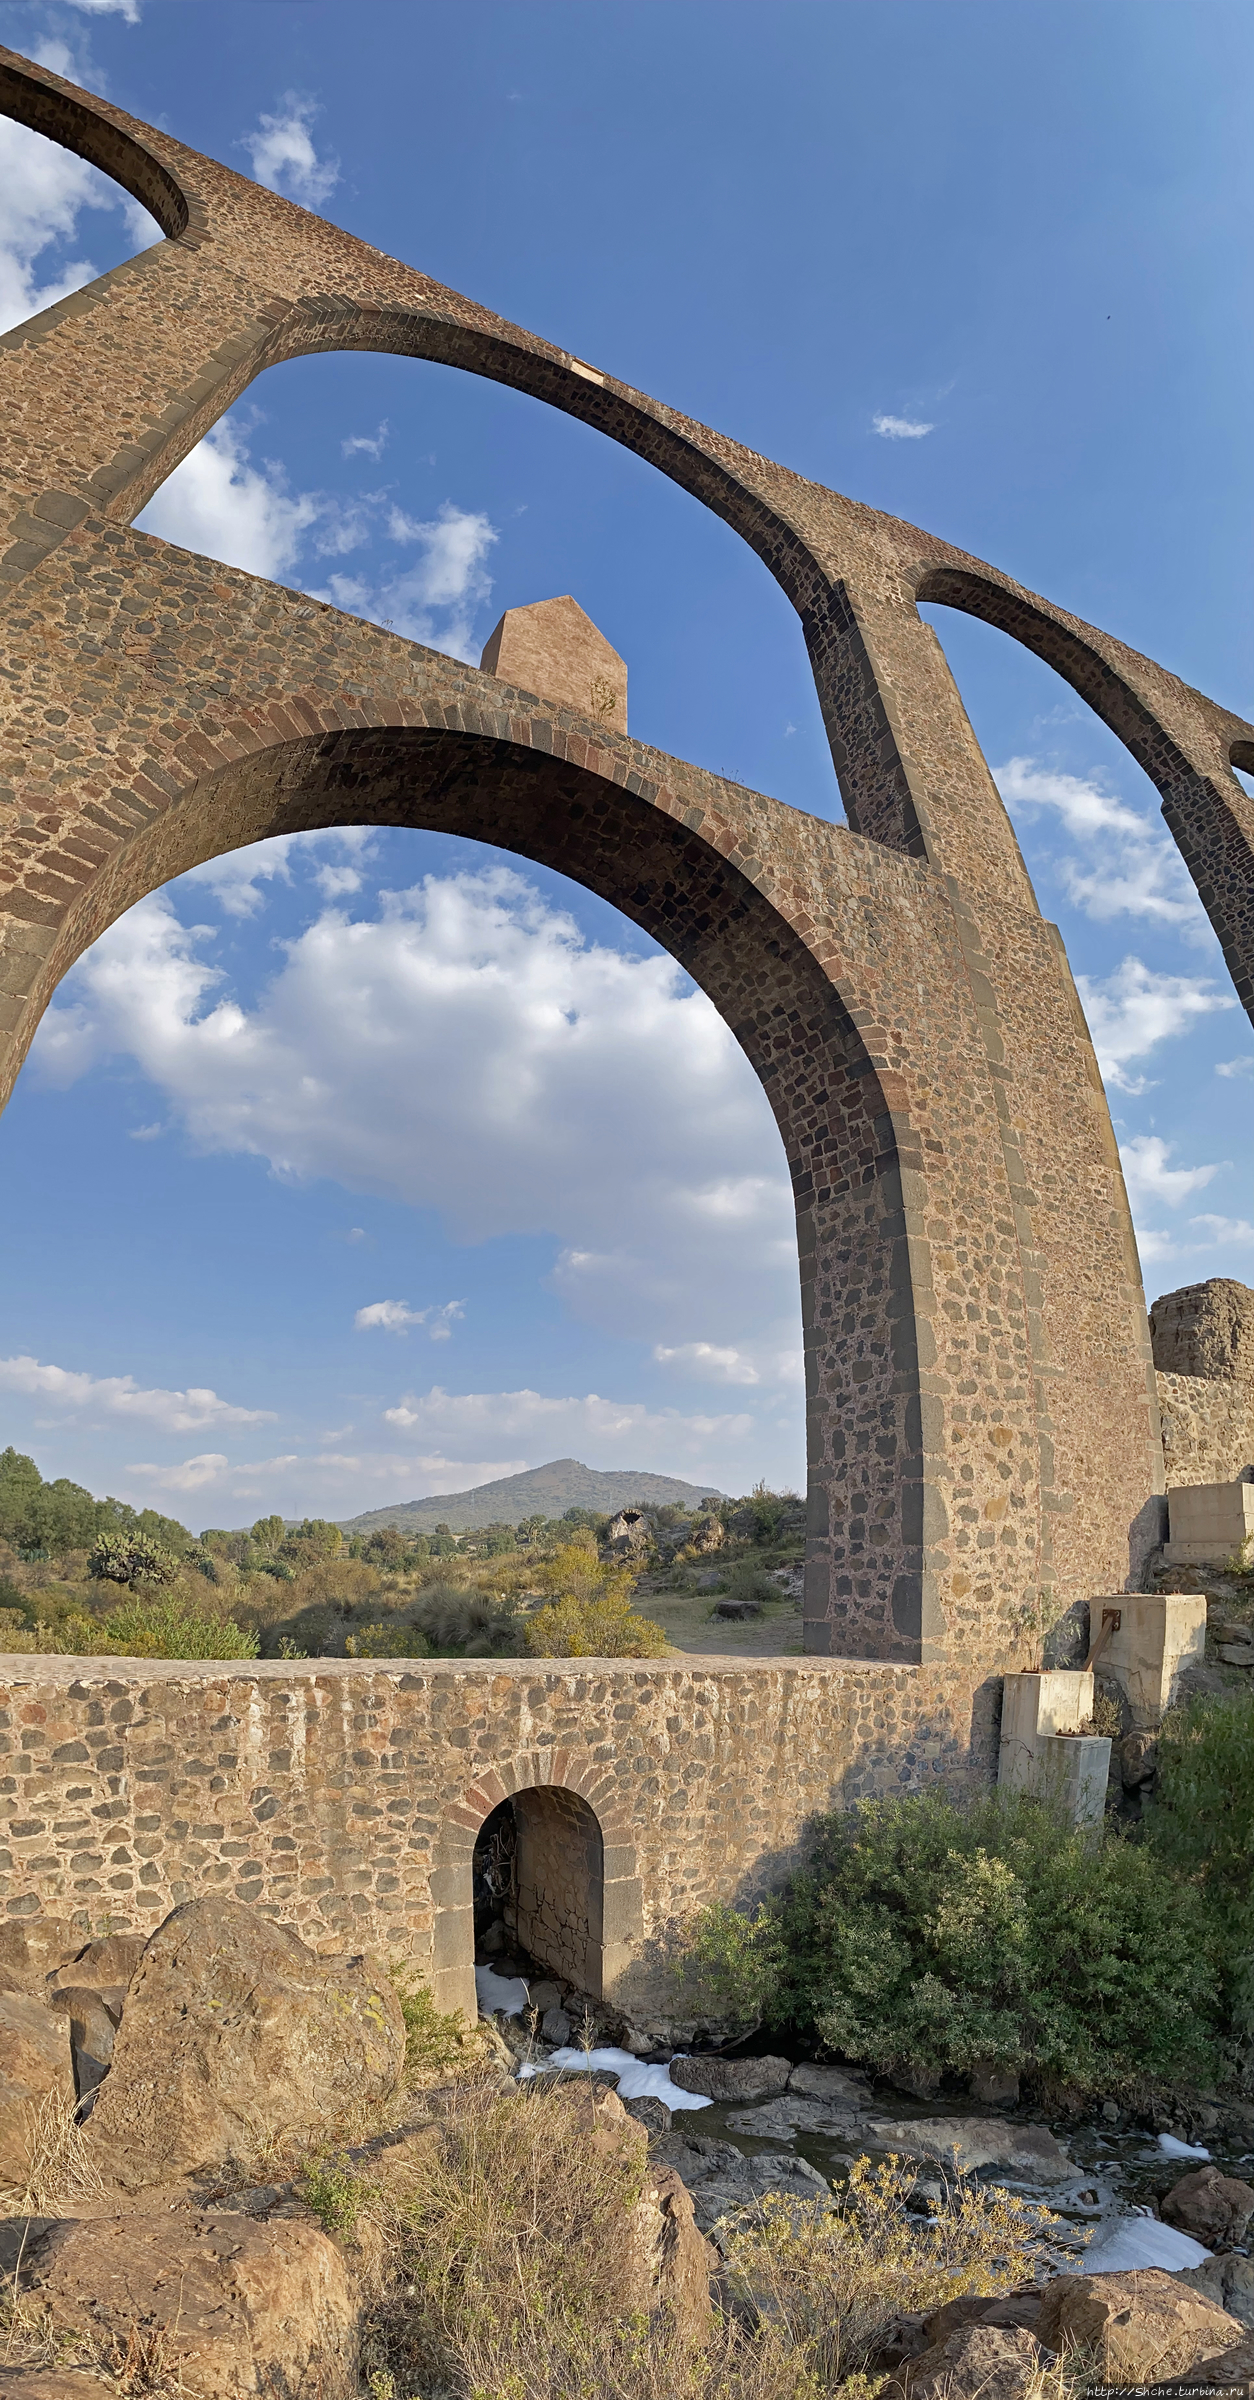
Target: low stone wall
(1208,1428)
(344,1798)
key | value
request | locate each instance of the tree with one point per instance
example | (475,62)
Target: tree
(131,1558)
(267,1533)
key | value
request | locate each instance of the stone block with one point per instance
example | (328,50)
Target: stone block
(553,648)
(1158,1635)
(1209,1523)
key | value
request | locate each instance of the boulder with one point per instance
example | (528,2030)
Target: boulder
(35,2065)
(544,1996)
(103,1966)
(720,2177)
(650,2112)
(556,2027)
(1214,2208)
(999,2362)
(671,2261)
(93,2025)
(31,1950)
(234,2036)
(964,2143)
(1228,2283)
(1231,2371)
(1141,2327)
(1011,2308)
(216,2304)
(742,2079)
(782,2120)
(841,2084)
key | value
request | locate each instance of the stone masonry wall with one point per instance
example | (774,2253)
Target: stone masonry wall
(1208,1429)
(344,1800)
(560,1874)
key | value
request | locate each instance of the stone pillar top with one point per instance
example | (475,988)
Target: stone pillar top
(553,648)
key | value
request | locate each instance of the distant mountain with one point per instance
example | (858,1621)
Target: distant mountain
(542,1491)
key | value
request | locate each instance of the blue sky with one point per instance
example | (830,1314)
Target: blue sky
(348,1170)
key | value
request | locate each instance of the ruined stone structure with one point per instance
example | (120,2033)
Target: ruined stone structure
(1203,1342)
(983,1431)
(554,648)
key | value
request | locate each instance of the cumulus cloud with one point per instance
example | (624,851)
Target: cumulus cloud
(121,1396)
(1130,1011)
(1140,872)
(433,599)
(467,1049)
(283,156)
(129,9)
(543,1426)
(396,1316)
(900,429)
(42,190)
(1149,1177)
(218,503)
(1236,1066)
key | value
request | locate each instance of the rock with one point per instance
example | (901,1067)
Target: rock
(93,2026)
(965,2143)
(1011,2308)
(53,2383)
(672,2261)
(545,1995)
(742,2079)
(1214,2208)
(707,1535)
(102,1966)
(994,2086)
(1142,2327)
(721,2178)
(999,2362)
(737,1610)
(234,2034)
(1138,1760)
(224,2304)
(556,2027)
(1237,1654)
(35,2065)
(921,2083)
(781,2120)
(1228,2283)
(1232,2370)
(650,2112)
(829,2083)
(32,1950)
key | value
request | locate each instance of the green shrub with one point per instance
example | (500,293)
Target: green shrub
(132,1558)
(609,1628)
(928,1936)
(439,2048)
(173,1627)
(1202,1824)
(467,1622)
(335,2194)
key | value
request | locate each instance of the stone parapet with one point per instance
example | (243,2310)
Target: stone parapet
(344,1800)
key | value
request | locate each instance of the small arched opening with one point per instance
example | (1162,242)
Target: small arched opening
(539,1887)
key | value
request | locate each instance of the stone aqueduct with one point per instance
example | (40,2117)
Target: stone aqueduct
(983,1430)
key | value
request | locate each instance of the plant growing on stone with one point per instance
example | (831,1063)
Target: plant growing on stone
(439,2048)
(1202,1824)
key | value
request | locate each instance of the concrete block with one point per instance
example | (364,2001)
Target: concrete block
(1043,1752)
(1208,1522)
(1157,1636)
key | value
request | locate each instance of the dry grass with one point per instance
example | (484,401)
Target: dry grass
(834,2278)
(58,2169)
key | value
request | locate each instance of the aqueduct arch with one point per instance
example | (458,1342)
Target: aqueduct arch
(982,1419)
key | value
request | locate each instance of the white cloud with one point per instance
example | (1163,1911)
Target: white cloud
(283,155)
(217,503)
(1130,1011)
(191,1476)
(396,1316)
(1149,1177)
(368,445)
(468,1050)
(108,8)
(900,429)
(42,189)
(1236,1066)
(434,599)
(121,1396)
(1226,1229)
(1141,872)
(709,1360)
(236,879)
(546,1428)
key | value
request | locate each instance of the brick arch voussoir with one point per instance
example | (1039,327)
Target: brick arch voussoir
(531,1770)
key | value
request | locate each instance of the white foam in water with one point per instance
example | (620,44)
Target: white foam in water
(1171,2148)
(636,2081)
(507,1992)
(1140,2241)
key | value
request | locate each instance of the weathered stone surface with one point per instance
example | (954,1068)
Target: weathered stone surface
(1205,1330)
(1142,2327)
(840,2084)
(995,2362)
(553,647)
(93,2028)
(650,2112)
(743,2079)
(721,2178)
(232,2306)
(1214,2208)
(1228,2283)
(35,2065)
(32,1948)
(994,2086)
(965,2143)
(1010,2308)
(1229,2370)
(53,2383)
(672,2261)
(106,1965)
(781,2120)
(234,2032)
